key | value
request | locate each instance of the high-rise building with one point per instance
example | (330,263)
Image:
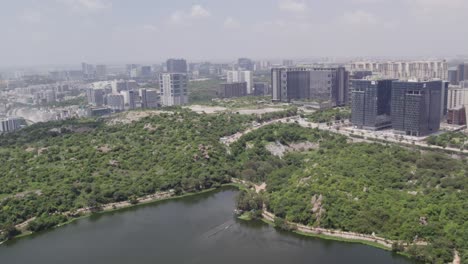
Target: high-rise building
(229,90)
(453,76)
(457,116)
(149,98)
(95,96)
(329,85)
(174,88)
(371,104)
(115,102)
(404,70)
(245,64)
(176,66)
(131,69)
(462,72)
(146,72)
(241,76)
(260,89)
(88,71)
(458,97)
(416,107)
(101,72)
(131,98)
(11,124)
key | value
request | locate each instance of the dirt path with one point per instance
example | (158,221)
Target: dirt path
(456,258)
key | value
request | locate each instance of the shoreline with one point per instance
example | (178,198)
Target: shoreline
(267,217)
(108,208)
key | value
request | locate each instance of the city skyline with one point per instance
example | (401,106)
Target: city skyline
(106,32)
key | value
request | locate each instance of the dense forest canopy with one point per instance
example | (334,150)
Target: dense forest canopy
(317,179)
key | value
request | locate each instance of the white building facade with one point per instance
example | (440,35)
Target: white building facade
(173,89)
(241,76)
(404,70)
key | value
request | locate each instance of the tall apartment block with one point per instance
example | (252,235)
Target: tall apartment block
(101,72)
(176,66)
(11,124)
(88,71)
(95,96)
(241,76)
(174,88)
(423,70)
(149,98)
(329,85)
(453,76)
(416,107)
(229,90)
(115,102)
(371,104)
(462,72)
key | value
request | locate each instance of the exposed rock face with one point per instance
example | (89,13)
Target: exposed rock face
(149,127)
(279,150)
(114,163)
(317,208)
(104,149)
(423,221)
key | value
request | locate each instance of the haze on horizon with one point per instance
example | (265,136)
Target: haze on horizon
(40,32)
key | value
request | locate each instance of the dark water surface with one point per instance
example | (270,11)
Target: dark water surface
(197,229)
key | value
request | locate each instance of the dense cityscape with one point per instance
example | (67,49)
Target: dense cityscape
(411,98)
(269,131)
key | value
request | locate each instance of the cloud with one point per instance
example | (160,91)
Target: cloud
(297,6)
(87,5)
(359,17)
(30,16)
(231,23)
(195,12)
(199,11)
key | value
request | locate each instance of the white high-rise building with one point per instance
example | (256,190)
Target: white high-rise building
(241,76)
(174,88)
(457,97)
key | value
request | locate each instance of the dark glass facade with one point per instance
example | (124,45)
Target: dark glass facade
(228,90)
(416,107)
(328,85)
(371,104)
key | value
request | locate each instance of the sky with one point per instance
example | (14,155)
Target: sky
(47,32)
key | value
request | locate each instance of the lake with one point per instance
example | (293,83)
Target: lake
(195,229)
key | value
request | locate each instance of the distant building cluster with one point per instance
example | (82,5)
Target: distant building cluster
(404,70)
(328,86)
(44,94)
(121,95)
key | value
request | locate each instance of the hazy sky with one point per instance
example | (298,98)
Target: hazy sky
(114,31)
